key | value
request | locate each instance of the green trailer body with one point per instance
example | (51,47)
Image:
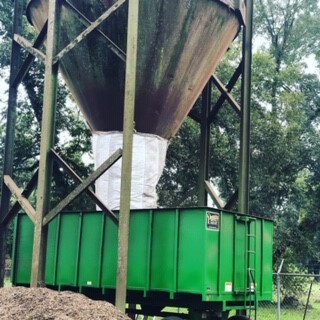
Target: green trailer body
(190,257)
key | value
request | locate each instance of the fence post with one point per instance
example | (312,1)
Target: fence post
(308,300)
(278,291)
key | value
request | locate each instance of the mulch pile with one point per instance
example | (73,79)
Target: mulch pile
(41,303)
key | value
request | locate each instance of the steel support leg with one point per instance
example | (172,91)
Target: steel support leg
(245,114)
(204,143)
(47,140)
(126,173)
(10,131)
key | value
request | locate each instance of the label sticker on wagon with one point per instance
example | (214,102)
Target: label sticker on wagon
(228,287)
(213,220)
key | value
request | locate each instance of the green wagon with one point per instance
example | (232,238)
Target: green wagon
(203,259)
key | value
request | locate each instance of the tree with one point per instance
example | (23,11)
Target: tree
(286,97)
(72,135)
(284,123)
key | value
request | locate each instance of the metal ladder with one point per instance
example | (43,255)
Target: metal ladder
(251,228)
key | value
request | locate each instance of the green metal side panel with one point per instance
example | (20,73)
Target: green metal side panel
(191,251)
(240,257)
(52,251)
(109,255)
(138,258)
(163,251)
(199,251)
(68,252)
(226,255)
(211,254)
(22,254)
(267,264)
(259,262)
(90,250)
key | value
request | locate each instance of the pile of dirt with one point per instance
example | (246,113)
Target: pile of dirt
(41,303)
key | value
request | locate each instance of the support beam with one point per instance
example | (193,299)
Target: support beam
(25,193)
(86,22)
(245,115)
(194,116)
(30,58)
(89,190)
(10,130)
(25,204)
(232,201)
(92,27)
(204,143)
(213,195)
(223,97)
(126,170)
(24,43)
(46,143)
(83,186)
(234,104)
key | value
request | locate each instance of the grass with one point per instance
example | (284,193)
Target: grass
(288,314)
(295,312)
(291,312)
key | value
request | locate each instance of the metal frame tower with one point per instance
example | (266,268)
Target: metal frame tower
(42,214)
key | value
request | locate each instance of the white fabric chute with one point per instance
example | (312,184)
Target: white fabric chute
(148,160)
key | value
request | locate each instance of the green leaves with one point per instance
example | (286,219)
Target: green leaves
(73,138)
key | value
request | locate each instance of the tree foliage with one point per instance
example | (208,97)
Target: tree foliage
(72,138)
(284,175)
(285,132)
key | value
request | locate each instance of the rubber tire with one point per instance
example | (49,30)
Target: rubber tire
(240,317)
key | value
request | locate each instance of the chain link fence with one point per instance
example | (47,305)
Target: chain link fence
(296,297)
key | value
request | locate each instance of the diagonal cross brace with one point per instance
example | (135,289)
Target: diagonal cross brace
(25,193)
(227,94)
(89,191)
(214,196)
(86,22)
(229,87)
(83,186)
(25,204)
(29,47)
(30,58)
(217,200)
(232,201)
(92,27)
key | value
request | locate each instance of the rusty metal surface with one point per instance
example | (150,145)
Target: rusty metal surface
(179,46)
